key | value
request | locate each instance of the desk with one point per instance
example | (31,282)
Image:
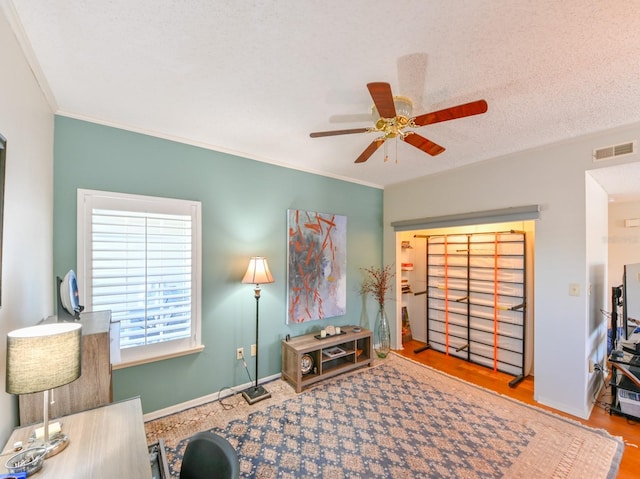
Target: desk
(104,443)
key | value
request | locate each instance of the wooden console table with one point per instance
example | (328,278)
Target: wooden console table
(104,443)
(308,359)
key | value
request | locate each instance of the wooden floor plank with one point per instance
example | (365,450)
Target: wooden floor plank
(499,382)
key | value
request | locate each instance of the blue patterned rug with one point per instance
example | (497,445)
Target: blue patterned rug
(401,419)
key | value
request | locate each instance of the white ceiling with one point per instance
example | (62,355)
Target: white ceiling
(255,77)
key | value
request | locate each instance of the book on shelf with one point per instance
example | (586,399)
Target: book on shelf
(333,352)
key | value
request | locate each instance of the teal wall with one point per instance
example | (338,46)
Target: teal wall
(244,204)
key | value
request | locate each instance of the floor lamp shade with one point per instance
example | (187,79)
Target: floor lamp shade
(43,357)
(258,272)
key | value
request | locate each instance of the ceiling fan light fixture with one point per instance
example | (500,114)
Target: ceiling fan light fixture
(403,105)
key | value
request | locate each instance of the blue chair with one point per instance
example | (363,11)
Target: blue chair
(209,456)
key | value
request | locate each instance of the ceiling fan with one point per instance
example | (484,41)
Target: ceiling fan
(392,115)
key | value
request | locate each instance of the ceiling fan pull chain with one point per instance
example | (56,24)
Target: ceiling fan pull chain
(396,150)
(386,152)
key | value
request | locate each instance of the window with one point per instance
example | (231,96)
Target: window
(139,257)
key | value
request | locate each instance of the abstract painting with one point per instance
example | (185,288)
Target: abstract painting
(316,266)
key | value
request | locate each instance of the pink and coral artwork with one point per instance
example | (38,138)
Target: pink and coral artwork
(316,266)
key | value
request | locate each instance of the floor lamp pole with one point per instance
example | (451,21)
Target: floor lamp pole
(257,292)
(256,393)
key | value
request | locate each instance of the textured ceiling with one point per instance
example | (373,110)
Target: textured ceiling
(254,78)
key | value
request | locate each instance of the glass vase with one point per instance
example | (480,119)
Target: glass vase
(364,316)
(382,333)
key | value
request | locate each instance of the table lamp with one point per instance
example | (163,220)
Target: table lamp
(257,273)
(40,358)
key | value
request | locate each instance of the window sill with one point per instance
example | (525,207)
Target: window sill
(186,352)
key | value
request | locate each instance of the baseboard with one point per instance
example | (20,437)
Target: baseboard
(204,399)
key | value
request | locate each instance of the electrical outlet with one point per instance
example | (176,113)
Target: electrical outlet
(253,350)
(239,353)
(592,366)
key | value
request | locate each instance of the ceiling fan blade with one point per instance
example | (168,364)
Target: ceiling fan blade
(421,143)
(460,111)
(318,134)
(370,150)
(383,99)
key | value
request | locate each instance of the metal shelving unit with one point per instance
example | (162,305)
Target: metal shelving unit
(476,298)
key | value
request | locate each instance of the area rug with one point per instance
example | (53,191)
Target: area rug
(398,419)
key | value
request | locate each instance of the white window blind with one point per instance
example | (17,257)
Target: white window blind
(139,261)
(142,272)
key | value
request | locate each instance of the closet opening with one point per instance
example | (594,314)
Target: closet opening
(467,291)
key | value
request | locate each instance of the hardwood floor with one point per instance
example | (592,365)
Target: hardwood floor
(499,382)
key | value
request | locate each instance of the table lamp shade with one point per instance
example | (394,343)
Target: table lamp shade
(258,271)
(43,357)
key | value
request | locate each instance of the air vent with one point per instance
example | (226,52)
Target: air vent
(614,151)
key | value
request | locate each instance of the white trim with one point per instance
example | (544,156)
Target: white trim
(145,204)
(32,60)
(185,352)
(223,393)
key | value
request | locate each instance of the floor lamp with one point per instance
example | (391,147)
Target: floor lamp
(257,273)
(40,358)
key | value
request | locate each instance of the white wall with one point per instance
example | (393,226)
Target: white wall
(26,121)
(554,178)
(597,207)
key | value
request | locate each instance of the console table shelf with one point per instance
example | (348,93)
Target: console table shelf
(327,357)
